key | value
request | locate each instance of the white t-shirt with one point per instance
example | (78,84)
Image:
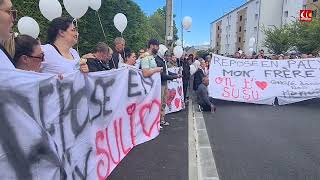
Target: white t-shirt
(54,63)
(5,62)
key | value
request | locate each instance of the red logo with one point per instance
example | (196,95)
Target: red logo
(305,15)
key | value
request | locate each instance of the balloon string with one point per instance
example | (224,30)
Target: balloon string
(78,35)
(104,34)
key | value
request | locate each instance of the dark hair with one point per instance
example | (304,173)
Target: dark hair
(61,23)
(127,52)
(101,47)
(153,42)
(24,45)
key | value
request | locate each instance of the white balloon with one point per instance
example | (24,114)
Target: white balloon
(187,22)
(76,8)
(250,50)
(162,50)
(95,4)
(252,41)
(178,51)
(28,26)
(178,42)
(120,22)
(50,9)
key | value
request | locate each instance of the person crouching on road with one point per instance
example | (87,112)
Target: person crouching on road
(205,102)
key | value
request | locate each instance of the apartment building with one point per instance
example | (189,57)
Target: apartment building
(233,31)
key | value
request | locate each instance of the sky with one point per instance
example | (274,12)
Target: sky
(203,12)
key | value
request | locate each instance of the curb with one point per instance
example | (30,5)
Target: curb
(206,166)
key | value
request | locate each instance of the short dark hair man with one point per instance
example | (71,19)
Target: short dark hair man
(101,56)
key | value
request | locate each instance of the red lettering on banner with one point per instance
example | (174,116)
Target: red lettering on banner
(125,150)
(104,154)
(230,90)
(111,153)
(116,136)
(148,107)
(130,110)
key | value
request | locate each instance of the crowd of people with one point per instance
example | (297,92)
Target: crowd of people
(261,55)
(57,56)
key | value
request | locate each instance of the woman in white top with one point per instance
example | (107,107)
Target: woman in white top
(7,17)
(59,56)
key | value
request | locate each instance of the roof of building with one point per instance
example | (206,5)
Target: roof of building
(246,3)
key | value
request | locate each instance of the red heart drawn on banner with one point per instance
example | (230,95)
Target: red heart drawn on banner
(149,116)
(180,90)
(170,96)
(262,84)
(177,102)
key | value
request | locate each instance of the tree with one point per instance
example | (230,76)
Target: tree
(307,36)
(278,40)
(158,23)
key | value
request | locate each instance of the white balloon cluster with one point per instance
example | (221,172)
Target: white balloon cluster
(52,9)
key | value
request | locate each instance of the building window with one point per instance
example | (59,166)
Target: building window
(315,0)
(217,44)
(255,29)
(240,29)
(218,27)
(286,14)
(240,18)
(239,39)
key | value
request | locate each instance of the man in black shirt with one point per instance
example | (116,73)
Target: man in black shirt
(165,77)
(100,60)
(118,55)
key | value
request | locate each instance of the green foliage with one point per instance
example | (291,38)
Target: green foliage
(307,36)
(303,36)
(204,53)
(158,23)
(278,40)
(139,30)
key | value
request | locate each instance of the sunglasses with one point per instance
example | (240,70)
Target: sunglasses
(12,12)
(41,58)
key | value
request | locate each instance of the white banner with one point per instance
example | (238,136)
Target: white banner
(175,97)
(80,127)
(261,81)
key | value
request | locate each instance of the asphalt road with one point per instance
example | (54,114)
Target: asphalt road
(258,142)
(164,158)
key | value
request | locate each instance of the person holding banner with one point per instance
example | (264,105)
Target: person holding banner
(7,17)
(28,54)
(205,102)
(165,77)
(100,59)
(59,56)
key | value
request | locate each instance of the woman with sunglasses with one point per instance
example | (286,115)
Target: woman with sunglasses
(7,17)
(59,56)
(28,55)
